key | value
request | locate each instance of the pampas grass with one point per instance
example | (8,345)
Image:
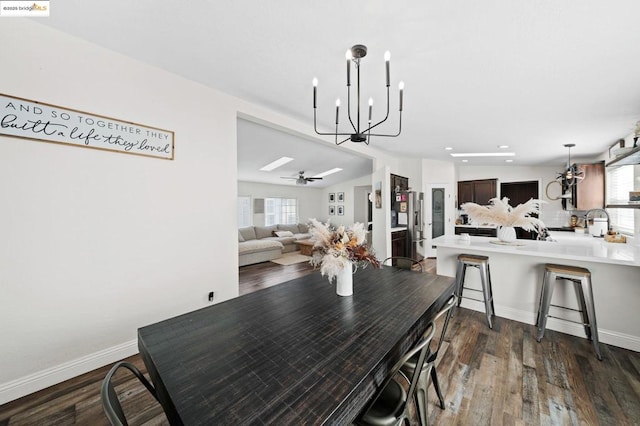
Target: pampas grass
(500,213)
(337,248)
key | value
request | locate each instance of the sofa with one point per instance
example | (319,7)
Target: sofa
(263,243)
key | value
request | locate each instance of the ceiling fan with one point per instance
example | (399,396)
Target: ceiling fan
(301,179)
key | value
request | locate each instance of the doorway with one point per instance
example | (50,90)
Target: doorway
(520,193)
(437,212)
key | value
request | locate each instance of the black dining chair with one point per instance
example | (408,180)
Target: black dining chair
(404,263)
(110,401)
(428,367)
(391,405)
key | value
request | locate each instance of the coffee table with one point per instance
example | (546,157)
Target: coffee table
(306,247)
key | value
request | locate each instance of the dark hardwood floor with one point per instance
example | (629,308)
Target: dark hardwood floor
(488,377)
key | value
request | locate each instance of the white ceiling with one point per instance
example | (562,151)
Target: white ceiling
(259,145)
(533,75)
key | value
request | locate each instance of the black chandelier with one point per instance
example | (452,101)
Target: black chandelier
(355,54)
(571,174)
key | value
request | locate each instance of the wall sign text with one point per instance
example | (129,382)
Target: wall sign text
(28,119)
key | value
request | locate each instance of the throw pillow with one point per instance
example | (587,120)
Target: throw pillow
(283,233)
(240,238)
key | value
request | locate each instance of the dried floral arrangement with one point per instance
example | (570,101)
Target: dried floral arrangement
(337,248)
(500,213)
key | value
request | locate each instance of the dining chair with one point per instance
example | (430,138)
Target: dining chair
(109,397)
(428,367)
(390,406)
(404,263)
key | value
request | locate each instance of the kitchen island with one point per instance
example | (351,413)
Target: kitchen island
(516,275)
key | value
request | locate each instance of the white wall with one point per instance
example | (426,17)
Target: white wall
(96,244)
(349,195)
(309,199)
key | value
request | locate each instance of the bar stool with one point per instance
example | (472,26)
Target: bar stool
(482,263)
(581,278)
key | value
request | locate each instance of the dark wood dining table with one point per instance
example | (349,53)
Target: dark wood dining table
(295,353)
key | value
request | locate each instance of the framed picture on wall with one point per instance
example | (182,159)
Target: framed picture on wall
(378,195)
(340,210)
(332,210)
(341,197)
(332,197)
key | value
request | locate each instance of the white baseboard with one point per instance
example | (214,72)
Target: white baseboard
(43,379)
(609,337)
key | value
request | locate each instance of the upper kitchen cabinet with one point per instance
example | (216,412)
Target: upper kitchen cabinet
(588,193)
(399,182)
(477,191)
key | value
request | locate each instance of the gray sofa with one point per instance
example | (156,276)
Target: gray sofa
(261,243)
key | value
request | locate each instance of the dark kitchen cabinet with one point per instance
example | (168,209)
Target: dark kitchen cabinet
(399,243)
(588,193)
(476,231)
(477,191)
(399,182)
(465,192)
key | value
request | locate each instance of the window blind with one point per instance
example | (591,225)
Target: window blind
(244,212)
(280,211)
(619,183)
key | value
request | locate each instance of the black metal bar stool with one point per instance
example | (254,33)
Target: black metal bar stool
(581,278)
(482,263)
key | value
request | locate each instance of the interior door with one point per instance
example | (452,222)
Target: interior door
(520,193)
(438,208)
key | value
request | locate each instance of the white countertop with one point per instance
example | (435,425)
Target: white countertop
(399,228)
(477,226)
(572,246)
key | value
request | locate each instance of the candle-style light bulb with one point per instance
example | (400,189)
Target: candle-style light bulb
(387,59)
(337,109)
(348,56)
(401,87)
(370,109)
(315,91)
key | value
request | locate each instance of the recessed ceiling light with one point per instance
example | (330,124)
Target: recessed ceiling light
(483,154)
(465,161)
(508,161)
(275,164)
(448,148)
(503,146)
(329,172)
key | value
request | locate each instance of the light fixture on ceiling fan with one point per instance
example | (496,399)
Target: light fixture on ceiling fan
(355,54)
(301,179)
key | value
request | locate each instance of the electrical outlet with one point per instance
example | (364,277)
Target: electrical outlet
(211,296)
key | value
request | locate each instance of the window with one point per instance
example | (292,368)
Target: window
(280,211)
(244,212)
(619,183)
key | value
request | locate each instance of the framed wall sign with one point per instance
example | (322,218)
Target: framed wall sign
(332,210)
(378,195)
(27,119)
(332,197)
(341,197)
(340,210)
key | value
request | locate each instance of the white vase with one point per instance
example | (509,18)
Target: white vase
(506,234)
(344,282)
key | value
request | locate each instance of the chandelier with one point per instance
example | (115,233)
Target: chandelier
(358,134)
(570,175)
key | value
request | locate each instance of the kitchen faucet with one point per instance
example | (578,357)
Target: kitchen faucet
(586,217)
